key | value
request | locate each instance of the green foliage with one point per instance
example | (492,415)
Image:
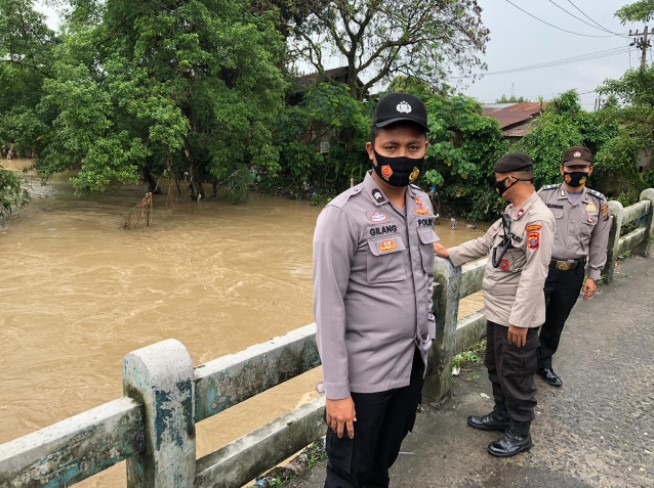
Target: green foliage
(463,149)
(634,117)
(12,195)
(191,88)
(641,11)
(329,114)
(512,99)
(562,125)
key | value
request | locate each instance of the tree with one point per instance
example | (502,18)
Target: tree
(12,195)
(641,11)
(635,116)
(512,99)
(188,88)
(26,46)
(424,39)
(327,113)
(562,125)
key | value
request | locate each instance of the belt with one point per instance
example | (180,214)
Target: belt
(567,264)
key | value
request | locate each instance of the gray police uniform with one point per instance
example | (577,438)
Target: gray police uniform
(373,289)
(513,295)
(582,231)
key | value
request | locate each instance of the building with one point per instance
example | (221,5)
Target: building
(514,118)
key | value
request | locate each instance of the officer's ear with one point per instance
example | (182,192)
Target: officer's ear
(561,170)
(590,170)
(371,152)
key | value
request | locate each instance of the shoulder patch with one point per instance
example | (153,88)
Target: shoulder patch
(549,187)
(596,194)
(340,200)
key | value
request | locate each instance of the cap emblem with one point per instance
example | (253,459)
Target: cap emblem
(403,107)
(577,154)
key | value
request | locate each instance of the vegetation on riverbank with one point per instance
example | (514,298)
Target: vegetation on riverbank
(203,91)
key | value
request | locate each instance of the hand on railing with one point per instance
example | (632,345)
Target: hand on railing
(441,251)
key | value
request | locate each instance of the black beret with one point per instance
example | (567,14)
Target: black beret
(517,161)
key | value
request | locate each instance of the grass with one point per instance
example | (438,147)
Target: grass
(471,357)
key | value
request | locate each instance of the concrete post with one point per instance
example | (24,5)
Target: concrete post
(617,214)
(446,308)
(647,247)
(160,377)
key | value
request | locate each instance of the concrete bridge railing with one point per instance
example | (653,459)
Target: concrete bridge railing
(153,426)
(640,240)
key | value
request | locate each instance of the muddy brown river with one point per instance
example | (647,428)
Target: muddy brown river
(77,293)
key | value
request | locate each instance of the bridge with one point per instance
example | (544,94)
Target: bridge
(152,427)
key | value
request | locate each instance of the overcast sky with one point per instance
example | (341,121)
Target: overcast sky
(518,40)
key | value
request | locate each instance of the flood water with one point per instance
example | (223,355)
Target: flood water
(77,293)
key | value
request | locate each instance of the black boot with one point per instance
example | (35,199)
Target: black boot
(511,443)
(550,377)
(491,421)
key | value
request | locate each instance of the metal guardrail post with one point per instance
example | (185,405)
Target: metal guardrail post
(160,377)
(647,247)
(446,308)
(617,214)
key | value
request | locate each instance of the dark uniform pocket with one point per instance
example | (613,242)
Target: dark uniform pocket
(385,261)
(521,360)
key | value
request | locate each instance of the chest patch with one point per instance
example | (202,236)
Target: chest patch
(383,229)
(425,222)
(388,245)
(377,217)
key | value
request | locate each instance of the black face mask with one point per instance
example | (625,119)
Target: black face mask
(398,171)
(500,186)
(575,178)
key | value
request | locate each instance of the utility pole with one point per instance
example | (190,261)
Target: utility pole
(642,42)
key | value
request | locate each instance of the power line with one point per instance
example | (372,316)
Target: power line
(552,25)
(558,62)
(582,20)
(599,25)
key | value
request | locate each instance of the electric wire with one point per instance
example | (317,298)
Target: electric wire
(582,20)
(559,62)
(593,21)
(552,25)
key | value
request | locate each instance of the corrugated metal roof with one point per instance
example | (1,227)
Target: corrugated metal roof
(514,113)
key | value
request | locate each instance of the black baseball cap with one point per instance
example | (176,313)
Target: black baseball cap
(578,156)
(400,107)
(515,161)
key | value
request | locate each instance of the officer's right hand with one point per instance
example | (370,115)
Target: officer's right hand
(340,415)
(440,250)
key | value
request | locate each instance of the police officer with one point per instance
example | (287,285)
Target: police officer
(373,263)
(520,246)
(582,230)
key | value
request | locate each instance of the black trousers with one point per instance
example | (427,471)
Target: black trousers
(383,421)
(511,371)
(561,293)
